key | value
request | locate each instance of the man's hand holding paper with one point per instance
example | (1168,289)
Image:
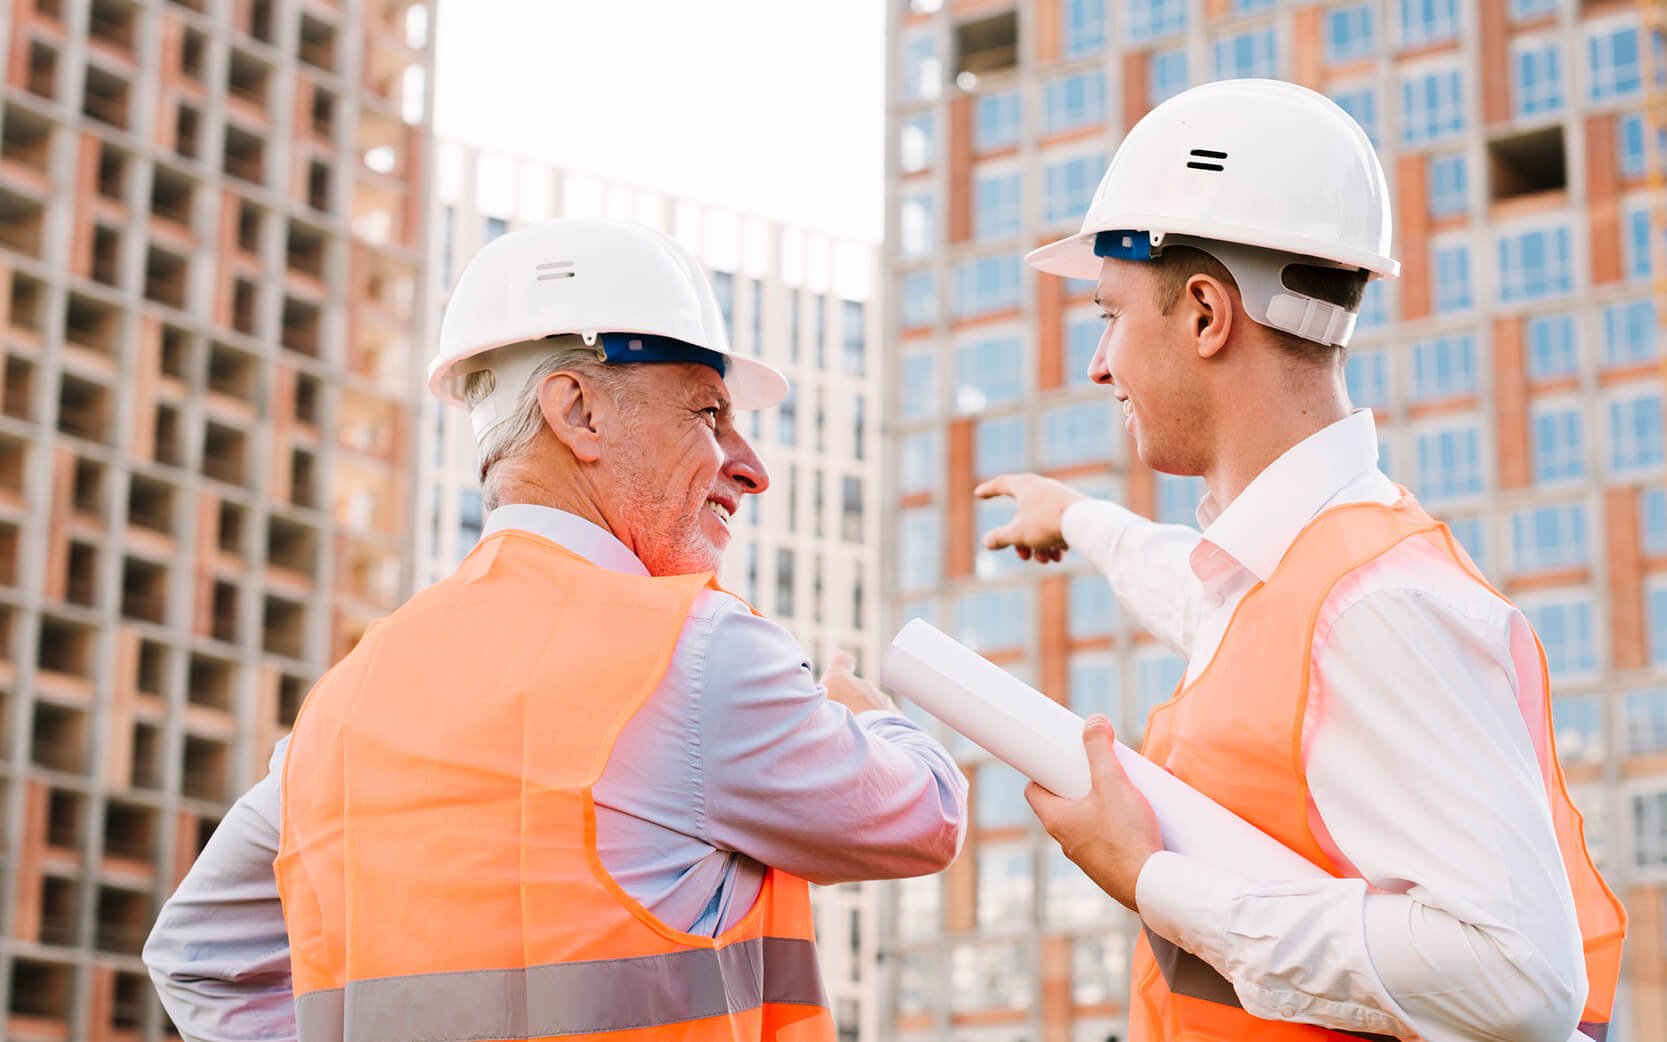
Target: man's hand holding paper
(1111,832)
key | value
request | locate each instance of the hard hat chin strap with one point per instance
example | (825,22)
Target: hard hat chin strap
(1260,274)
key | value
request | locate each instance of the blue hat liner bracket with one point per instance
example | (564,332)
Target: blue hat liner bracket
(620,348)
(1123,245)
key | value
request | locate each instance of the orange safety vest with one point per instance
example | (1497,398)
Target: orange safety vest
(1235,734)
(438,862)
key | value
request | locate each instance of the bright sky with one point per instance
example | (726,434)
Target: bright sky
(772,107)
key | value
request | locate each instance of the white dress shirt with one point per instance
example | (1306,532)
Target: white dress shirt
(737,761)
(1424,779)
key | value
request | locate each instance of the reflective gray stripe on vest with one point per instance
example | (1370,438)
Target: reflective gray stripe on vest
(571,998)
(1188,975)
(1593,1031)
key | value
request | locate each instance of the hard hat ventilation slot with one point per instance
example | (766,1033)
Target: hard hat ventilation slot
(556,270)
(1205,153)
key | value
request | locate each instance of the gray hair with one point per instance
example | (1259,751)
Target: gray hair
(512,437)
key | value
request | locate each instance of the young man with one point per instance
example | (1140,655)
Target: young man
(1354,687)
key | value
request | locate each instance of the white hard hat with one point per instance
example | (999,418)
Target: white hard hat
(1243,163)
(628,289)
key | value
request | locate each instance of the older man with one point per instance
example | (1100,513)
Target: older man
(575,788)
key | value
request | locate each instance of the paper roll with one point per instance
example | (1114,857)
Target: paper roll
(1042,740)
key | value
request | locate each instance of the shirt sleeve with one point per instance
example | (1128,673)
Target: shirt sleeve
(799,783)
(1148,565)
(1425,778)
(219,953)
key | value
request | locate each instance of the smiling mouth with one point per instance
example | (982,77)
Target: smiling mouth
(722,510)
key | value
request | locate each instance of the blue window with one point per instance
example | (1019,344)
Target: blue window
(469,515)
(1149,19)
(1070,186)
(1362,105)
(992,619)
(1349,34)
(1652,519)
(723,287)
(1549,538)
(996,206)
(1374,307)
(1577,724)
(1559,451)
(922,72)
(989,372)
(1444,367)
(1428,21)
(1247,54)
(1646,722)
(1074,101)
(919,548)
(1077,434)
(1367,373)
(495,226)
(920,299)
(1658,625)
(787,421)
(1615,70)
(1564,625)
(1093,679)
(917,142)
(1468,531)
(1630,135)
(986,515)
(1001,447)
(1452,278)
(1534,265)
(1523,10)
(1432,107)
(1252,6)
(917,223)
(1001,797)
(1093,610)
(1178,499)
(1082,339)
(1552,350)
(1449,464)
(853,337)
(1630,333)
(1635,439)
(1168,76)
(920,462)
(987,284)
(1156,680)
(1082,28)
(1639,224)
(1449,186)
(1539,79)
(920,385)
(999,123)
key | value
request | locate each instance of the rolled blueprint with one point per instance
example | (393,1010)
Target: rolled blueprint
(1042,740)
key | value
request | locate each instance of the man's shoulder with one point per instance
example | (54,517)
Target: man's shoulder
(1417,574)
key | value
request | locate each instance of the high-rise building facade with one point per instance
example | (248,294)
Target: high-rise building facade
(806,552)
(1515,369)
(212,287)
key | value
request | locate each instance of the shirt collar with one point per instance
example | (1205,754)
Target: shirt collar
(570,531)
(1258,527)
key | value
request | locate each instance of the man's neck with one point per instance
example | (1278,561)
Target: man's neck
(1252,439)
(517,488)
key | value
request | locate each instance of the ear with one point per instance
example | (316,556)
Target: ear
(1207,306)
(571,406)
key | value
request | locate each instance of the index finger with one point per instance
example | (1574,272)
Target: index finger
(1001,485)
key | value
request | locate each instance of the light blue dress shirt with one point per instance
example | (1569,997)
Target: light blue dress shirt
(737,761)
